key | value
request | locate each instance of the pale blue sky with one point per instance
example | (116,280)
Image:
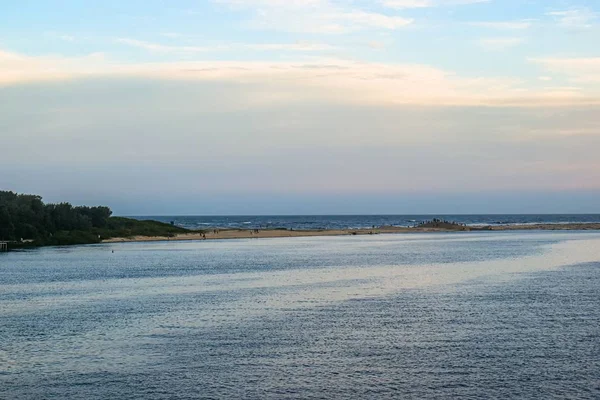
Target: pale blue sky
(300,105)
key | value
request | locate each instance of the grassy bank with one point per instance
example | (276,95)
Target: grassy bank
(115,227)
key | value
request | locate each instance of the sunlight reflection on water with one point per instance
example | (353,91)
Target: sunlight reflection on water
(80,311)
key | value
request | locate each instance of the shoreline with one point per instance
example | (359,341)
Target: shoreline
(220,234)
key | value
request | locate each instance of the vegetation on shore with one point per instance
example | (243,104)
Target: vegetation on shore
(442,224)
(25,220)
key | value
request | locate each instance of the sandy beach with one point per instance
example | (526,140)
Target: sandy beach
(278,233)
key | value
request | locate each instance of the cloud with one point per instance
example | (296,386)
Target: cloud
(67,38)
(314,16)
(376,44)
(374,20)
(335,80)
(407,4)
(504,25)
(160,48)
(190,50)
(18,68)
(172,35)
(299,46)
(402,4)
(577,70)
(61,36)
(581,18)
(272,3)
(499,43)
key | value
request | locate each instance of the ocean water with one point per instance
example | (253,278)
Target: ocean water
(363,221)
(464,315)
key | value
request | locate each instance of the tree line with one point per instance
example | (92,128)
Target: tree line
(25,217)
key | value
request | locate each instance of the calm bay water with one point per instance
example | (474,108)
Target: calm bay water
(363,221)
(469,315)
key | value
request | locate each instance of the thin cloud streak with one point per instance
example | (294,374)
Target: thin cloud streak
(504,25)
(500,43)
(162,48)
(576,18)
(314,16)
(408,4)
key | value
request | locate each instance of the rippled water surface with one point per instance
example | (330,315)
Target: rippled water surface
(470,315)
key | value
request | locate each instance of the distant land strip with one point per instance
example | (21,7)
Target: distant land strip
(26,221)
(214,234)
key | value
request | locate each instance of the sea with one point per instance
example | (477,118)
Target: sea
(471,315)
(364,221)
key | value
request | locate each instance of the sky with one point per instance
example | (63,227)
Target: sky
(303,106)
